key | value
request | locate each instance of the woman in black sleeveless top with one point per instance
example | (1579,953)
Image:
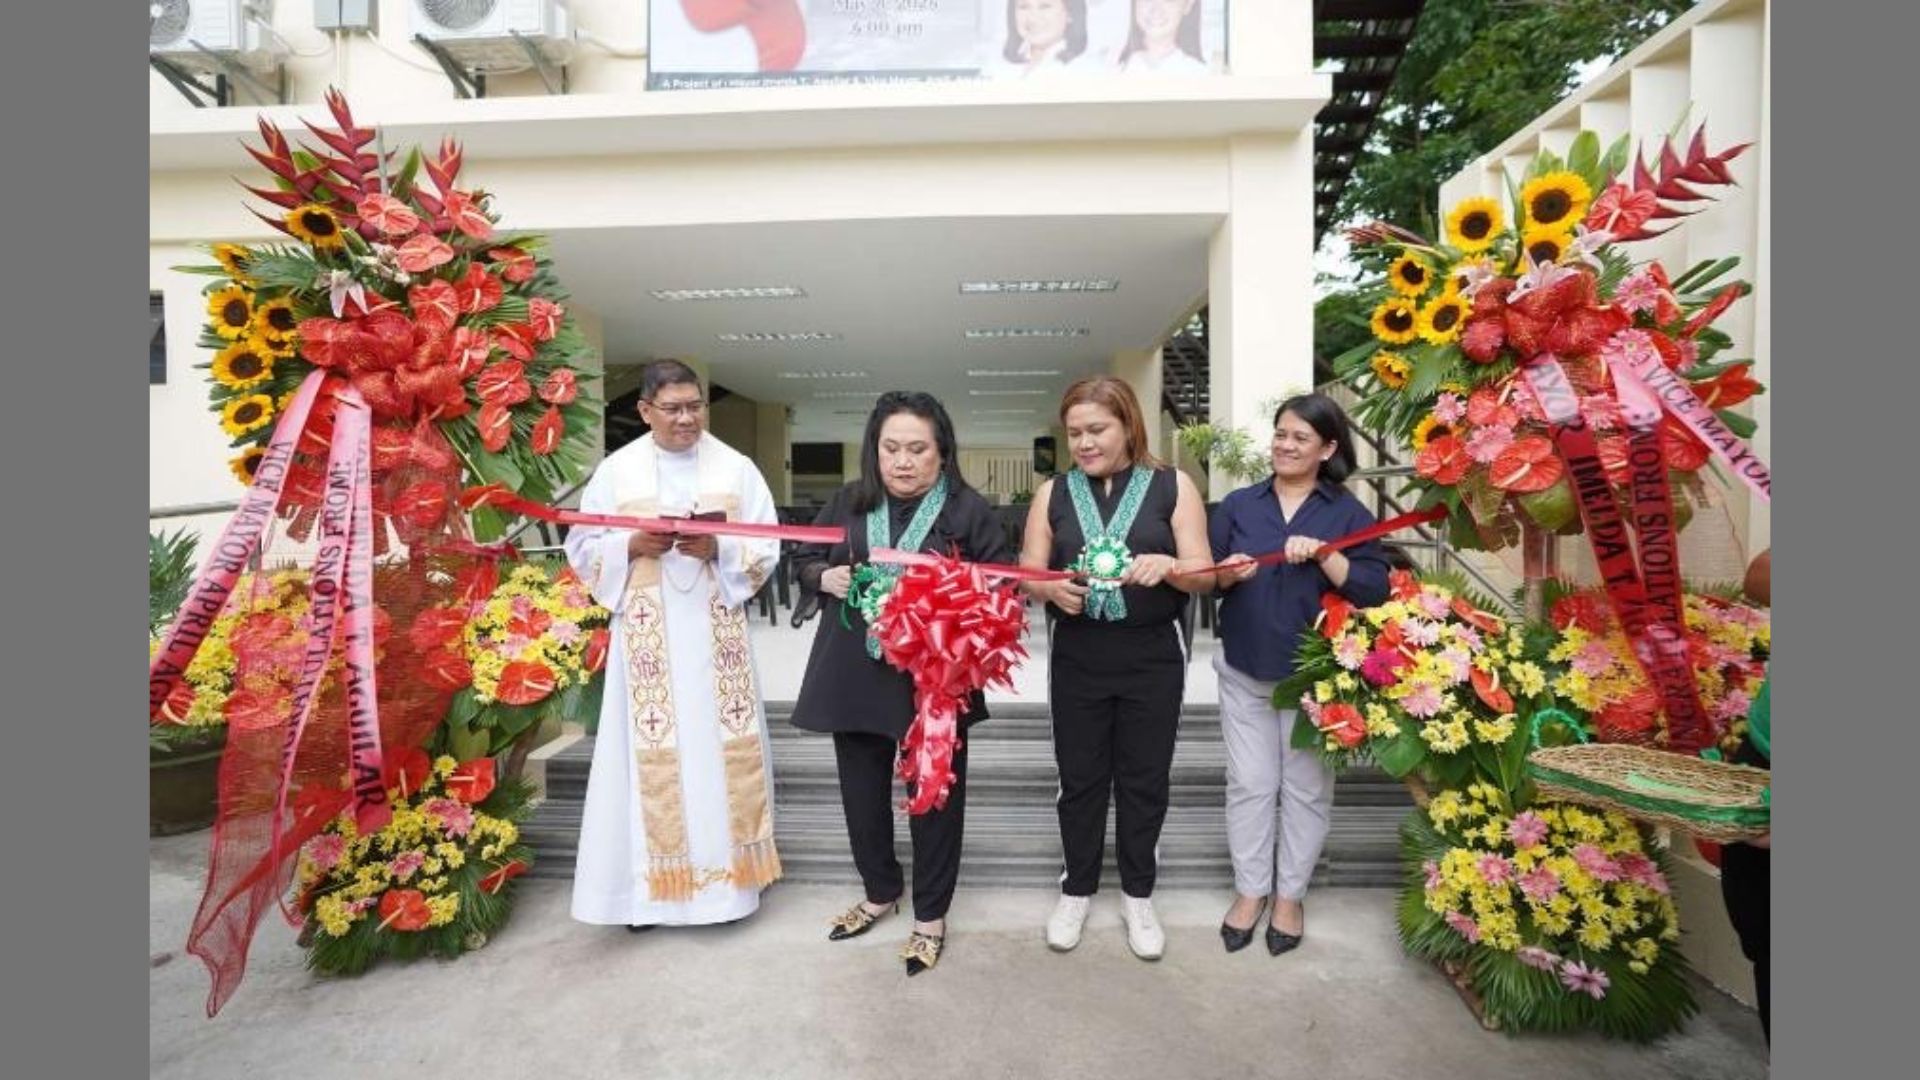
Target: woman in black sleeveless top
(1118,662)
(910,487)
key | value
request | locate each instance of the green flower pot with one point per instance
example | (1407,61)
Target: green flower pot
(183,784)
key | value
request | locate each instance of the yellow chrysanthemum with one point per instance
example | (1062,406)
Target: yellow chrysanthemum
(1556,200)
(1391,369)
(246,414)
(1410,275)
(1473,224)
(231,308)
(1429,429)
(244,364)
(246,464)
(237,260)
(1545,244)
(1396,321)
(317,225)
(1442,318)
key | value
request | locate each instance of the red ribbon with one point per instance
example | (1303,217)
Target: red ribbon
(495,495)
(1391,525)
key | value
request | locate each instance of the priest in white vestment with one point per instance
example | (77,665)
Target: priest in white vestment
(678,827)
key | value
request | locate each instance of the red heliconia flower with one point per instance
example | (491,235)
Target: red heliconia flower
(404,909)
(496,426)
(505,383)
(524,682)
(423,504)
(494,882)
(1530,464)
(436,306)
(597,644)
(387,214)
(466,215)
(548,431)
(479,291)
(424,253)
(472,781)
(516,266)
(446,669)
(560,387)
(545,316)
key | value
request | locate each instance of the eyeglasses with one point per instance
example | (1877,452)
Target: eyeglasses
(678,409)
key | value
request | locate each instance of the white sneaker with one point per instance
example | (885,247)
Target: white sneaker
(1064,925)
(1144,935)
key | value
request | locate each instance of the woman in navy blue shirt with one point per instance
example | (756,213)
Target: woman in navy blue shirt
(1266,608)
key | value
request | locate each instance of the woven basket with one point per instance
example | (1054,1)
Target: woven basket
(1713,800)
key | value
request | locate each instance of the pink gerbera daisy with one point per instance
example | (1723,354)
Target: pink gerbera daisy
(1435,878)
(325,850)
(1494,870)
(1449,408)
(1423,701)
(1526,829)
(1350,651)
(1596,862)
(1536,957)
(1638,293)
(1580,978)
(406,864)
(455,816)
(1464,926)
(1540,884)
(1594,658)
(1488,443)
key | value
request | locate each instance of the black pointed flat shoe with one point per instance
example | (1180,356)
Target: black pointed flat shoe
(922,952)
(1279,941)
(857,920)
(1237,938)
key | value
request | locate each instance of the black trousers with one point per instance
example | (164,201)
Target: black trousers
(866,793)
(1745,873)
(1115,695)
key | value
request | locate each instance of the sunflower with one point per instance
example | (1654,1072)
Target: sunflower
(246,414)
(1473,224)
(1410,275)
(274,321)
(1545,245)
(1558,199)
(246,464)
(1428,430)
(232,310)
(1391,369)
(1394,321)
(316,225)
(1441,319)
(237,260)
(244,364)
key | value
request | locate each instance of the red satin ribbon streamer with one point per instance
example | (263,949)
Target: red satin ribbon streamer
(996,570)
(806,534)
(1653,620)
(1371,532)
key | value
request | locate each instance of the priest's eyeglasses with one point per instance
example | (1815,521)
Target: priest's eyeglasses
(678,409)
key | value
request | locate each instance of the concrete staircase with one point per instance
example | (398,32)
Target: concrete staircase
(1012,836)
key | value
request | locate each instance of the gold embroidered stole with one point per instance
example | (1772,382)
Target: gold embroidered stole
(672,875)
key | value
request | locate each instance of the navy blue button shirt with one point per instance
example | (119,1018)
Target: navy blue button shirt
(1261,618)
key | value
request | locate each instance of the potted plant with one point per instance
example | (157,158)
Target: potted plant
(185,741)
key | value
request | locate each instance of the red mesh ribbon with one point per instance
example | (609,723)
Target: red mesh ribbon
(954,635)
(314,732)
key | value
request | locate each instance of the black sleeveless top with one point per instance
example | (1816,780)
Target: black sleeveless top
(1152,533)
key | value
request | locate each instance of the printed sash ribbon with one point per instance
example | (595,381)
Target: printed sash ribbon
(1104,556)
(881,580)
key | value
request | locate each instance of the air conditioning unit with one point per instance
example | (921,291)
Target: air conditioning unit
(486,35)
(187,31)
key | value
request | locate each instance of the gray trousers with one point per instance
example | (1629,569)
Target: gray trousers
(1263,769)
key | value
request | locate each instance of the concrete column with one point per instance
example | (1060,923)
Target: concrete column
(1140,369)
(1260,284)
(594,363)
(1658,97)
(1274,37)
(770,449)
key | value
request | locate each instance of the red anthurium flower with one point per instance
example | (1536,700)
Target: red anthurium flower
(477,581)
(1487,688)
(423,253)
(473,781)
(505,383)
(1474,617)
(446,669)
(545,317)
(1631,719)
(1622,211)
(389,447)
(466,215)
(1485,409)
(422,504)
(484,495)
(516,266)
(1729,388)
(1528,465)
(531,624)
(548,431)
(174,709)
(494,882)
(404,909)
(1401,585)
(387,214)
(1337,610)
(524,682)
(1443,460)
(1666,309)
(560,388)
(437,626)
(436,307)
(1685,452)
(1344,723)
(514,339)
(478,291)
(407,770)
(597,643)
(496,426)
(1613,458)
(468,350)
(1583,610)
